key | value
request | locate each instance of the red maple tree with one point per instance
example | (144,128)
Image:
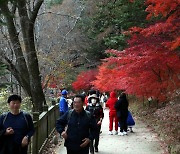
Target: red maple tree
(84,79)
(150,66)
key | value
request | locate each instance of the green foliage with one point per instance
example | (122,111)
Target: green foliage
(2,69)
(122,14)
(26,104)
(116,41)
(110,21)
(69,77)
(3,100)
(1,22)
(53,2)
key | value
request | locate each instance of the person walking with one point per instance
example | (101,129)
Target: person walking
(122,113)
(112,113)
(103,99)
(63,104)
(96,111)
(77,127)
(16,128)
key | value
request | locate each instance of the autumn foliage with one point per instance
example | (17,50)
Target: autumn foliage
(51,81)
(150,66)
(84,79)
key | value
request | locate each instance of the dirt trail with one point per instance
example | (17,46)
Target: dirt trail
(142,141)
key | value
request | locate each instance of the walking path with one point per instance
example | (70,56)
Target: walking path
(142,141)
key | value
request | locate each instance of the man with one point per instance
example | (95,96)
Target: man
(16,128)
(77,127)
(96,111)
(63,104)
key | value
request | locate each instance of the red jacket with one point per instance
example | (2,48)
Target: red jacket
(111,102)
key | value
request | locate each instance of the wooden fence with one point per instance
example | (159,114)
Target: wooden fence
(44,127)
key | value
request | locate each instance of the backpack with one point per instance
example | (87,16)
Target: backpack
(24,114)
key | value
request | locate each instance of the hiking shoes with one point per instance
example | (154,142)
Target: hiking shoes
(110,133)
(96,149)
(116,132)
(120,133)
(125,133)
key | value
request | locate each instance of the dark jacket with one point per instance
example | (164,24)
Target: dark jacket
(22,125)
(96,111)
(121,107)
(80,126)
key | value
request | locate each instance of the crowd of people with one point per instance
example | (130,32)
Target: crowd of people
(79,122)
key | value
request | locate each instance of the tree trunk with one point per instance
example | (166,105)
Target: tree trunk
(27,26)
(26,69)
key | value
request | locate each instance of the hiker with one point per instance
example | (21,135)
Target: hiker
(112,113)
(122,113)
(130,122)
(91,92)
(16,128)
(103,99)
(77,127)
(86,98)
(63,104)
(96,111)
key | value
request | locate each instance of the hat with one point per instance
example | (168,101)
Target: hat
(93,96)
(64,92)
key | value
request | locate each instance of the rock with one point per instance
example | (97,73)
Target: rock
(55,140)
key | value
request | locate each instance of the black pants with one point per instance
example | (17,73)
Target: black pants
(123,123)
(13,149)
(92,144)
(82,151)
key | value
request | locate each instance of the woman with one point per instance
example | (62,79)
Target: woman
(96,111)
(122,113)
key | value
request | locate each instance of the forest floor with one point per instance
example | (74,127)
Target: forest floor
(164,120)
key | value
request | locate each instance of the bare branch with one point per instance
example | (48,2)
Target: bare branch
(63,41)
(157,74)
(14,8)
(29,7)
(64,15)
(35,11)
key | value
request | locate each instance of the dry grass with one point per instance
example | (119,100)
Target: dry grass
(165,121)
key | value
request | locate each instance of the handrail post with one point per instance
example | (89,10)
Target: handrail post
(35,137)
